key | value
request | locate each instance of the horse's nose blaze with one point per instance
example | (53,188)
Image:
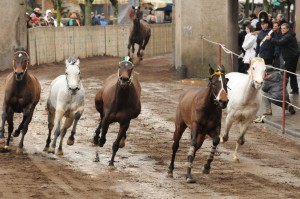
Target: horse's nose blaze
(223,96)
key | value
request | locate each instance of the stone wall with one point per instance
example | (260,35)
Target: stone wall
(13,30)
(216,20)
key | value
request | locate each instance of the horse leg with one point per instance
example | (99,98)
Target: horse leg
(51,114)
(67,124)
(179,129)
(140,52)
(28,113)
(128,47)
(191,154)
(144,46)
(2,130)
(122,142)
(73,132)
(241,140)
(228,124)
(104,128)
(56,128)
(123,128)
(10,122)
(19,129)
(215,142)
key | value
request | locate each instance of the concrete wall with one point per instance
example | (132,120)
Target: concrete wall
(13,30)
(216,20)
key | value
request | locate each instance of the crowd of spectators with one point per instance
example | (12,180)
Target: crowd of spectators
(272,38)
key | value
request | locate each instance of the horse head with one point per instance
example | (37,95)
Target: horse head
(125,72)
(73,74)
(219,85)
(257,72)
(20,63)
(137,14)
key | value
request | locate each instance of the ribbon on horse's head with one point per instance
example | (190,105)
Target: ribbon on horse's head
(20,52)
(217,73)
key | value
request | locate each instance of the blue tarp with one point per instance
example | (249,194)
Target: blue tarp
(167,8)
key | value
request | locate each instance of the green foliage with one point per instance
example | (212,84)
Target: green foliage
(87,12)
(114,3)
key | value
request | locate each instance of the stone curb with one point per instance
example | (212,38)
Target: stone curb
(287,131)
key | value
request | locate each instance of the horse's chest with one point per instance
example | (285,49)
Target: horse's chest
(18,103)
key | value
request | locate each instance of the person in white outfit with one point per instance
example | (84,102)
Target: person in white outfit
(249,46)
(49,18)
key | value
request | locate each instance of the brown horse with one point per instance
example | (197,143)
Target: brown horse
(140,33)
(118,101)
(200,109)
(22,93)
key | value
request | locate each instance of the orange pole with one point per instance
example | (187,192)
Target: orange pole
(220,55)
(283,102)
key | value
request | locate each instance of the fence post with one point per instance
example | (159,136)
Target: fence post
(283,102)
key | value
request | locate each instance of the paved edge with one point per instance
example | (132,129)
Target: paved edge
(287,131)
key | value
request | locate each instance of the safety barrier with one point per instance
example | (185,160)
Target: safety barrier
(48,44)
(222,46)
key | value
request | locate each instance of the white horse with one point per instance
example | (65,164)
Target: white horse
(244,93)
(66,99)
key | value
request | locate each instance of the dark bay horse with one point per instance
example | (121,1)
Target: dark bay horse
(140,33)
(118,101)
(22,93)
(200,109)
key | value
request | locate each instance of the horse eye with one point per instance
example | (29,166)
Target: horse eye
(253,68)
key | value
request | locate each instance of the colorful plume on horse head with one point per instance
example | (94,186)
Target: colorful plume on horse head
(126,59)
(220,70)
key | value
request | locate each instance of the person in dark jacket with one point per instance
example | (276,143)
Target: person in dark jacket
(94,20)
(273,88)
(289,50)
(265,48)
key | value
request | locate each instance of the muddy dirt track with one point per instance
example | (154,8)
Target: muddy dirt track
(269,167)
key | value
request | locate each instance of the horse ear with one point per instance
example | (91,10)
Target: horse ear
(67,62)
(222,69)
(139,7)
(211,70)
(77,63)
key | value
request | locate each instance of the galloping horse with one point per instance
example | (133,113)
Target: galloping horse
(22,93)
(66,99)
(140,33)
(118,101)
(244,100)
(200,109)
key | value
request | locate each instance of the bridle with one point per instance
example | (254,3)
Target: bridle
(251,74)
(22,52)
(219,73)
(78,87)
(129,81)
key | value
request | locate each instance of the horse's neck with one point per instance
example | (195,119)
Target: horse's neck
(137,27)
(250,91)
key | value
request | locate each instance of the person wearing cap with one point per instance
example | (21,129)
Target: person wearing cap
(94,20)
(28,20)
(272,88)
(264,47)
(289,49)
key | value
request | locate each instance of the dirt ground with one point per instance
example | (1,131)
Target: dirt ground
(269,167)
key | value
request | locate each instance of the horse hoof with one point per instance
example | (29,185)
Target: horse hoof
(95,141)
(16,133)
(59,152)
(236,159)
(190,180)
(205,171)
(141,58)
(19,151)
(223,139)
(51,150)
(46,149)
(70,141)
(6,148)
(169,174)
